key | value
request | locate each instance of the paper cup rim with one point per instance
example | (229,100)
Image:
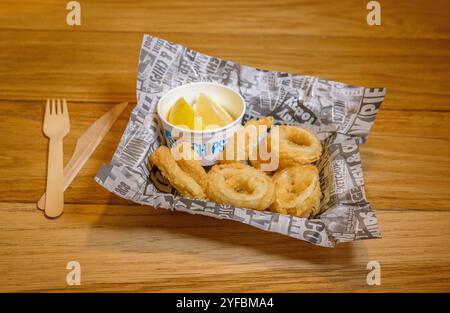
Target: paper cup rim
(209,131)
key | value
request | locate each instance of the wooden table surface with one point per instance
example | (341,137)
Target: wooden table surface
(126,247)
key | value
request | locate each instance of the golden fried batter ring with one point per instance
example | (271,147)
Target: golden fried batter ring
(241,186)
(237,150)
(296,145)
(297,191)
(182,169)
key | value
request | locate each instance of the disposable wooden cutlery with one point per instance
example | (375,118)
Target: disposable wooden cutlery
(86,145)
(56,127)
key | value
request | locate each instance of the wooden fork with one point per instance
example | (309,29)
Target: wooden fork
(56,127)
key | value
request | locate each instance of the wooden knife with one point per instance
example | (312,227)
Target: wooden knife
(86,145)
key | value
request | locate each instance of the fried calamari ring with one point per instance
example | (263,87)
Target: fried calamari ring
(296,145)
(182,169)
(238,150)
(241,186)
(297,191)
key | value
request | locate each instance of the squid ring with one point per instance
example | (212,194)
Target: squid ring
(297,191)
(240,185)
(295,145)
(239,147)
(183,171)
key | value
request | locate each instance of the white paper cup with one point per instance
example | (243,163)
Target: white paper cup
(207,143)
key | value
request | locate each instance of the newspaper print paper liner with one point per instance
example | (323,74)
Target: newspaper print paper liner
(339,114)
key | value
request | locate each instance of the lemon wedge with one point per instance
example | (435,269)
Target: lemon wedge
(212,114)
(181,114)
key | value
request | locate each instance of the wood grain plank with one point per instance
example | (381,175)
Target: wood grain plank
(410,172)
(346,18)
(141,249)
(93,66)
(405,161)
(423,124)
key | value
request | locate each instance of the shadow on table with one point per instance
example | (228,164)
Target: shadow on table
(148,230)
